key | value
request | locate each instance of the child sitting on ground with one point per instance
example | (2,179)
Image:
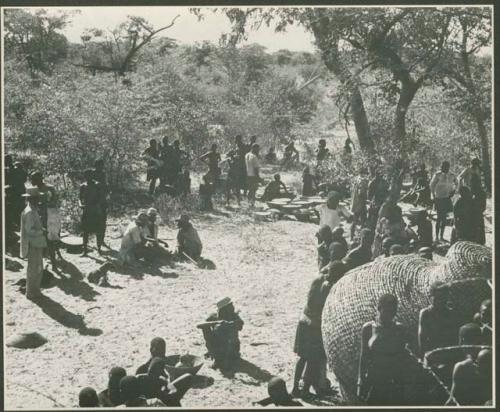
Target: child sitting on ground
(273,190)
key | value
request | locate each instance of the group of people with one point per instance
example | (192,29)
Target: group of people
(169,165)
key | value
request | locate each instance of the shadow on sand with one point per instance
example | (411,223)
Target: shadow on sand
(75,284)
(66,318)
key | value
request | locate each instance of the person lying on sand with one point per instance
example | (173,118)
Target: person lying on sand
(278,394)
(221,331)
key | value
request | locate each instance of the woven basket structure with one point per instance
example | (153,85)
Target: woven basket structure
(353,300)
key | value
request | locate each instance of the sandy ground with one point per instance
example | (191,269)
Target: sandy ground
(265,268)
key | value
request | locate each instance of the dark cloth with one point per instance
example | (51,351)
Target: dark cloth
(478,208)
(443,205)
(206,192)
(93,215)
(462,214)
(424,233)
(307,184)
(358,256)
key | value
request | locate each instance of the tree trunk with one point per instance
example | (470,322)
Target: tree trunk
(334,63)
(485,152)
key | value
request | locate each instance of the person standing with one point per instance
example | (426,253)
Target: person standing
(331,212)
(464,178)
(100,178)
(308,182)
(378,190)
(241,151)
(359,198)
(167,176)
(478,208)
(322,151)
(50,215)
(213,159)
(463,215)
(18,178)
(33,241)
(252,167)
(92,212)
(443,185)
(152,157)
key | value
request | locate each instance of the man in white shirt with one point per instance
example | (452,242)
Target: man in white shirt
(133,239)
(331,213)
(253,178)
(443,185)
(33,241)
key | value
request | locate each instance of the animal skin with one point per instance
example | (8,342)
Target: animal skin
(352,301)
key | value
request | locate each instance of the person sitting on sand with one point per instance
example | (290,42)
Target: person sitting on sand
(273,190)
(188,241)
(110,396)
(130,392)
(221,333)
(337,252)
(467,387)
(308,339)
(324,236)
(278,394)
(207,190)
(132,244)
(338,236)
(363,253)
(330,213)
(87,398)
(156,384)
(438,324)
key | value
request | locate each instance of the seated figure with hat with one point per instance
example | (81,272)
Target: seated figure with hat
(188,242)
(221,331)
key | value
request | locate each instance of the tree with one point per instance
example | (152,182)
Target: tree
(36,38)
(470,74)
(117,51)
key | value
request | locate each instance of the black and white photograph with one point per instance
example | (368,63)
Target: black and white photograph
(241,207)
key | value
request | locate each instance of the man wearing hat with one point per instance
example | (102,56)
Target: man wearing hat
(33,242)
(188,241)
(221,335)
(133,239)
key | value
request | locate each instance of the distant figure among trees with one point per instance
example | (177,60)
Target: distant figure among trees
(443,185)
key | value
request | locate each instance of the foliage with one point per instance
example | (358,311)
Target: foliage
(36,37)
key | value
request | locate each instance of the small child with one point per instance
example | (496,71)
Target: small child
(324,236)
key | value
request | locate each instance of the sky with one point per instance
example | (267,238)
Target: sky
(187,29)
